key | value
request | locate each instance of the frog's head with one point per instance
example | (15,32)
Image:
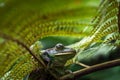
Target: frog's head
(58,54)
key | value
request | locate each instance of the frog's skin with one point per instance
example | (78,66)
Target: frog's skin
(56,57)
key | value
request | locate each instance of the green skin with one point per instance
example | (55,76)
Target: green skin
(56,57)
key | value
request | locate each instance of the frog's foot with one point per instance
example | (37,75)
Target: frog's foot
(69,72)
(82,64)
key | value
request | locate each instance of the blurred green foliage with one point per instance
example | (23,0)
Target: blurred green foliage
(29,21)
(51,41)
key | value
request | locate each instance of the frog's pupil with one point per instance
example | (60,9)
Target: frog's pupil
(59,46)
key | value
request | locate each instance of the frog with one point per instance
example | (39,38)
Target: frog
(55,58)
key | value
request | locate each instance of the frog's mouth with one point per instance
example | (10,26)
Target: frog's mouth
(66,53)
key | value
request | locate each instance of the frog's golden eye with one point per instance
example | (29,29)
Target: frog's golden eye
(59,46)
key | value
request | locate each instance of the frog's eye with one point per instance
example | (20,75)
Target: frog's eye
(59,46)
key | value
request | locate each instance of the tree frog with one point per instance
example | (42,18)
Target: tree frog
(56,57)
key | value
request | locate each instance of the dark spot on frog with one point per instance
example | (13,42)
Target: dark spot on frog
(45,56)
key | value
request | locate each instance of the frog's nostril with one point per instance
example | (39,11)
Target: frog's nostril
(59,46)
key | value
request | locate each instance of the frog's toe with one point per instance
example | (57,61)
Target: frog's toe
(70,72)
